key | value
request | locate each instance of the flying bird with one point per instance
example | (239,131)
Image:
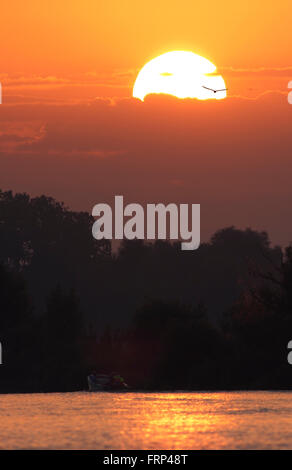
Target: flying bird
(214,91)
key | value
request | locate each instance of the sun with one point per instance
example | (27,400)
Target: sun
(182,74)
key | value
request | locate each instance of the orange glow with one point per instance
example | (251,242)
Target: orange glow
(70,124)
(54,37)
(98,48)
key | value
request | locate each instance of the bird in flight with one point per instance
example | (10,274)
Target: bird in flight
(214,91)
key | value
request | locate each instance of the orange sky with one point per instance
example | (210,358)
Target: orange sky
(77,36)
(69,127)
(66,39)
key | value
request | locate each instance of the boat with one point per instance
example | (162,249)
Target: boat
(106,383)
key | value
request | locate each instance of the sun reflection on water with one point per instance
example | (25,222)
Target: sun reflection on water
(236,420)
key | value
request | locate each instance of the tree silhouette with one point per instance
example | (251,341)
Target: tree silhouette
(220,317)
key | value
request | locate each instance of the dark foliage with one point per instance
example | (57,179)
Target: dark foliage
(216,318)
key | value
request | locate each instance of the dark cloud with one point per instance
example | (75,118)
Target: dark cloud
(232,156)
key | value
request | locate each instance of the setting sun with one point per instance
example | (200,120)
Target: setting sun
(182,74)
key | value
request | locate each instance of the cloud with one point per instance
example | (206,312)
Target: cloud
(117,84)
(232,156)
(256,72)
(72,89)
(115,78)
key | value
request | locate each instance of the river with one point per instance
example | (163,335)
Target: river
(180,420)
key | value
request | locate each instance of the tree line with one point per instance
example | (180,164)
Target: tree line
(216,318)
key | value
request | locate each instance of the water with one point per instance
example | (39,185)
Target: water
(233,420)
